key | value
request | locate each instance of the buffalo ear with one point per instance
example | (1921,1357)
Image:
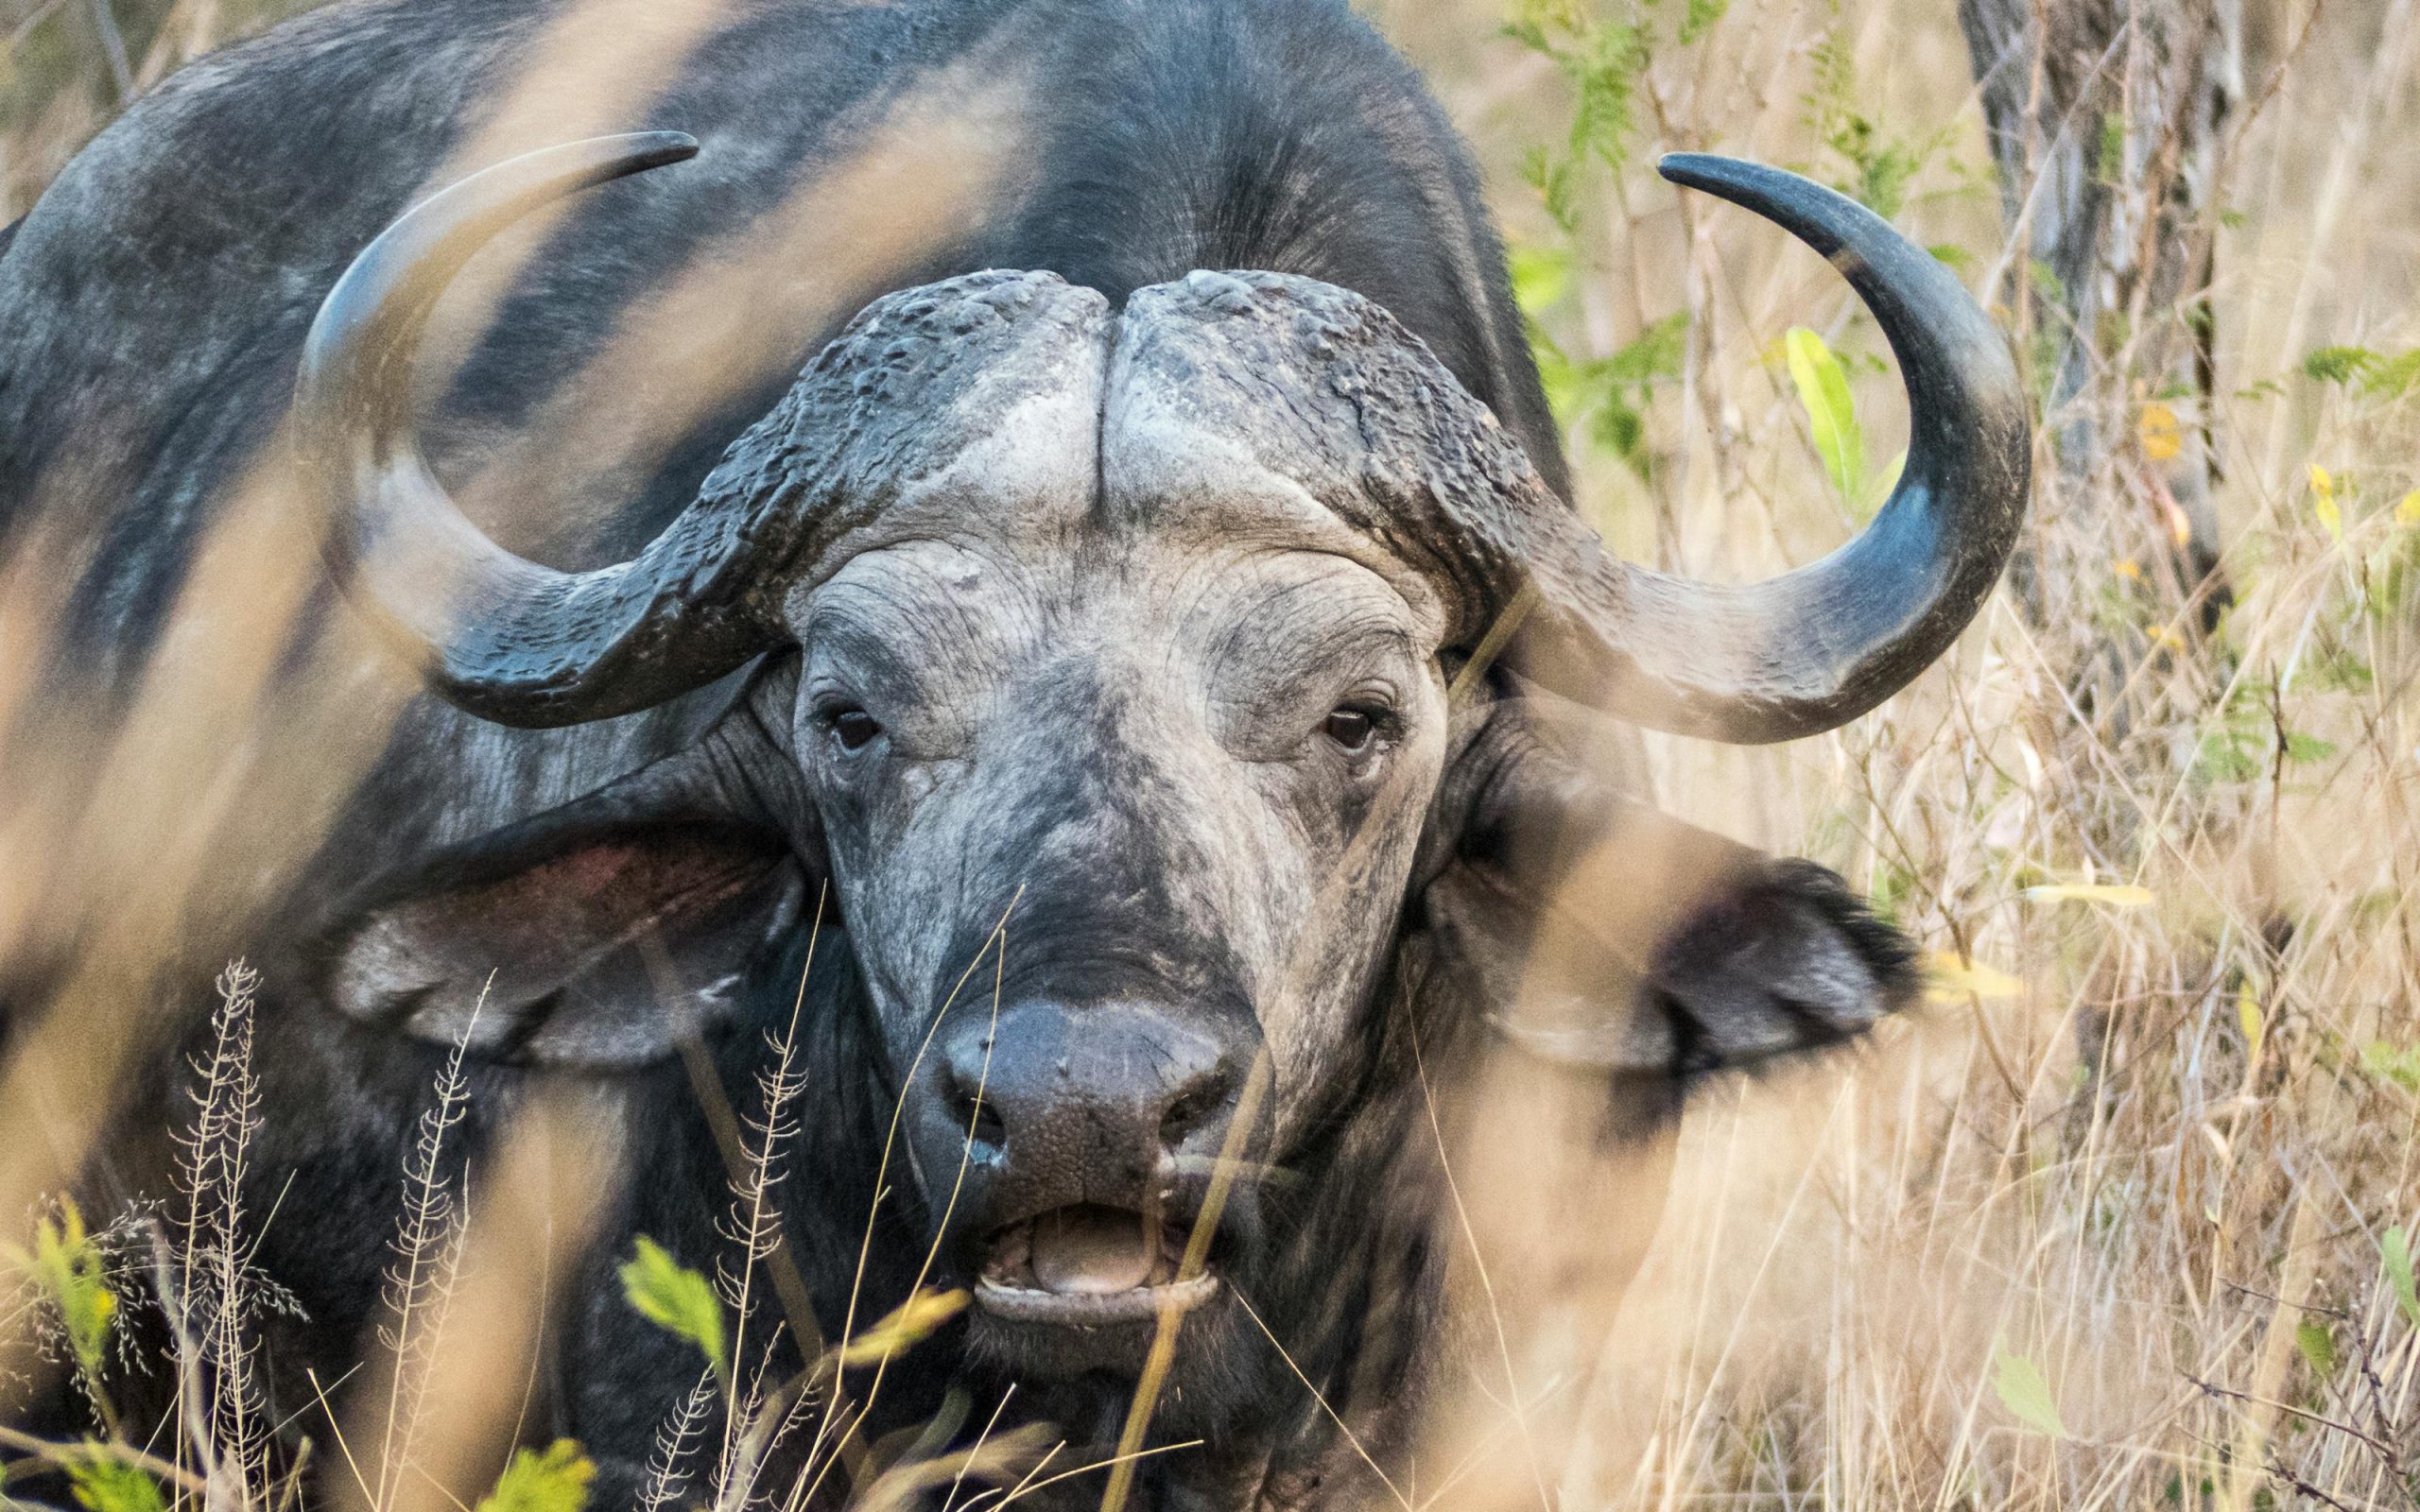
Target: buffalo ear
(1599,932)
(598,934)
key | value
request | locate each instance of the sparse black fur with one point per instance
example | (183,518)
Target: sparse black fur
(151,310)
(1779,895)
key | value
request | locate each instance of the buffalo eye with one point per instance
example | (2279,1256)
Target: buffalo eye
(852,727)
(1353,729)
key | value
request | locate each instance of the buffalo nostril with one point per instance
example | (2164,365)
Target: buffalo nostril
(976,1118)
(1190,1109)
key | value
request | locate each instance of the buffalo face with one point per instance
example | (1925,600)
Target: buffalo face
(1106,834)
(1133,676)
(1118,746)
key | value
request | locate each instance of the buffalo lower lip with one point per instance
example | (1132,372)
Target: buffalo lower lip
(1140,1304)
(1089,1264)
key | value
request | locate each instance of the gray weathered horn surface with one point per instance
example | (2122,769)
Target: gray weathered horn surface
(1324,387)
(916,377)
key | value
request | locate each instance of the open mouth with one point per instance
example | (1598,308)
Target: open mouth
(1088,1264)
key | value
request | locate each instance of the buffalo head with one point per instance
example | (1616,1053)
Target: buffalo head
(1131,676)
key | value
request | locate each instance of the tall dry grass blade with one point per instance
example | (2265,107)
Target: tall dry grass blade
(210,1293)
(676,1439)
(533,1201)
(752,1224)
(419,1282)
(1162,1351)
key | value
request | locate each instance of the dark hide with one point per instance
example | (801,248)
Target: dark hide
(652,878)
(1730,960)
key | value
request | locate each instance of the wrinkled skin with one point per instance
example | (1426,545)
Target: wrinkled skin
(1112,671)
(1112,704)
(1149,680)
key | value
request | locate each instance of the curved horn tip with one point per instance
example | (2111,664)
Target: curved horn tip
(1672,164)
(1760,187)
(1834,638)
(654,149)
(1703,170)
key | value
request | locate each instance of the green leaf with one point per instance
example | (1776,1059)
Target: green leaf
(2394,1254)
(2339,365)
(2322,502)
(1557,182)
(908,1325)
(1605,76)
(2228,756)
(68,1269)
(1541,277)
(1605,399)
(2112,148)
(1831,415)
(1952,978)
(1535,165)
(1617,427)
(1880,492)
(1557,375)
(1881,163)
(2025,1393)
(677,1299)
(554,1479)
(1656,353)
(2398,1064)
(104,1483)
(2318,1344)
(1530,34)
(2251,1019)
(1883,177)
(2048,282)
(1702,16)
(2307,747)
(2396,376)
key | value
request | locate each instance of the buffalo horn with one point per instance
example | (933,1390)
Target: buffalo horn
(500,636)
(1811,649)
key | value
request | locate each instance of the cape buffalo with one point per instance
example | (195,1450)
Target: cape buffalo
(1141,556)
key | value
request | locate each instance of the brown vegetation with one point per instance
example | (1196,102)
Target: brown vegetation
(2121,1221)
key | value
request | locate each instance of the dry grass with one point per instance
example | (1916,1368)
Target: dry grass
(2107,1226)
(2086,1243)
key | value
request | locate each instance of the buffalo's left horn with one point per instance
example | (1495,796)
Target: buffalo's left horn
(1811,649)
(501,636)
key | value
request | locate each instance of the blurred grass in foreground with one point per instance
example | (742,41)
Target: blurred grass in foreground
(2124,1220)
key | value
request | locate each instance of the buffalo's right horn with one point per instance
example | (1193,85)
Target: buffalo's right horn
(1325,387)
(1811,649)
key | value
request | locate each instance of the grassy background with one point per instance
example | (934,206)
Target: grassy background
(2119,1221)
